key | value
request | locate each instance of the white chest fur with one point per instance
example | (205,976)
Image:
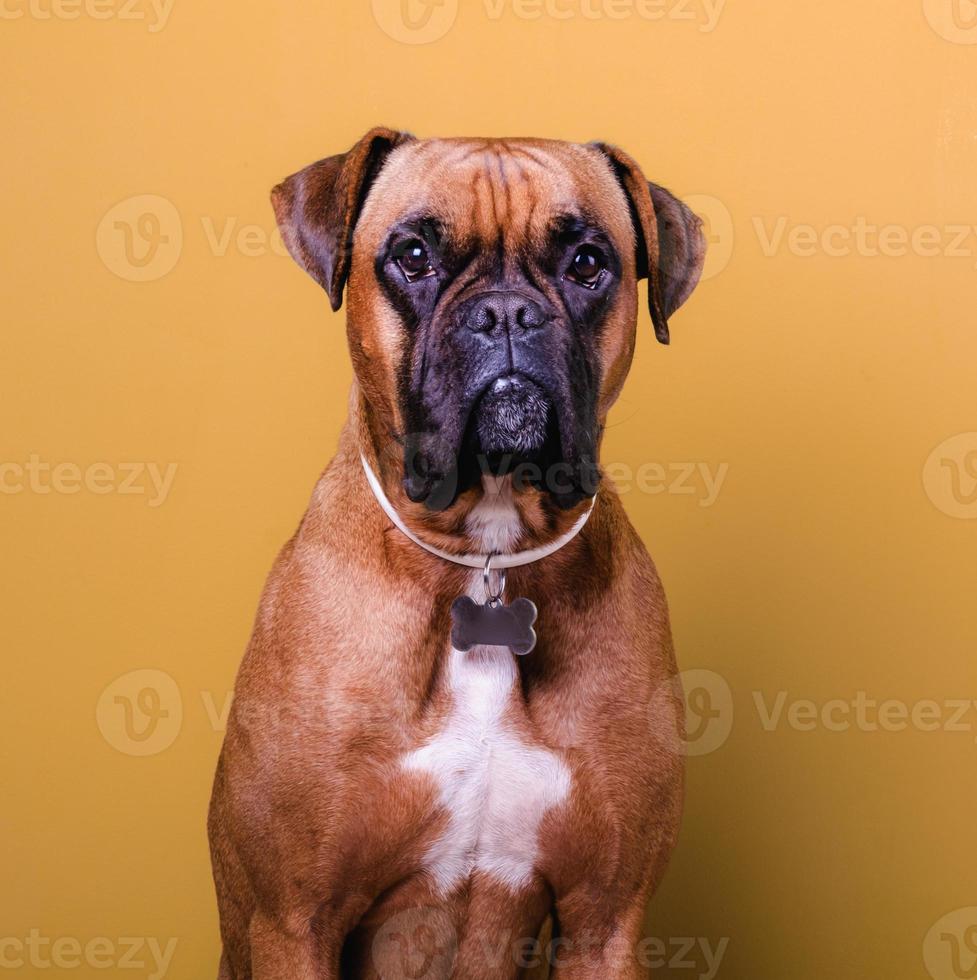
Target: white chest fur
(494,785)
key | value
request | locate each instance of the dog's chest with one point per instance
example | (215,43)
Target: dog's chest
(493,782)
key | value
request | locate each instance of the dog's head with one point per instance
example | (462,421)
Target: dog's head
(492,296)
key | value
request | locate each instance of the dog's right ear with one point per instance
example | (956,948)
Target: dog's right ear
(317,208)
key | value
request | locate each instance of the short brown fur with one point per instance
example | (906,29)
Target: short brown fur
(317,836)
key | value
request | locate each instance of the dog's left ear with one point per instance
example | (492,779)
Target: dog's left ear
(670,245)
(317,208)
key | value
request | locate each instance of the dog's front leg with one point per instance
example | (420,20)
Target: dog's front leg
(611,951)
(283,952)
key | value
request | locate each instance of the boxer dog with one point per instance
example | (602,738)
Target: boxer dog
(387,805)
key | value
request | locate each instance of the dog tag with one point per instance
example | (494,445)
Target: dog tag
(493,624)
(511,626)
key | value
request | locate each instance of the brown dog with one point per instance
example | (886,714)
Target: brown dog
(387,805)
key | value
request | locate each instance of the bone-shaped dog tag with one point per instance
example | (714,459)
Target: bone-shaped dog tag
(493,625)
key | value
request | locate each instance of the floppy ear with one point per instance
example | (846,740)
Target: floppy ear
(317,208)
(670,245)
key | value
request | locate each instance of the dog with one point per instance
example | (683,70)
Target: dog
(386,805)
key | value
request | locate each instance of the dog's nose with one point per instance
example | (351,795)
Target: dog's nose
(506,311)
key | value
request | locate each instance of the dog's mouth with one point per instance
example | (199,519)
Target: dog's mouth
(514,428)
(511,419)
(512,431)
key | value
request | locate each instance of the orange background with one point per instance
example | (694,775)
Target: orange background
(836,558)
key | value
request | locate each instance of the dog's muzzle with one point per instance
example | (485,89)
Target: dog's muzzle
(512,412)
(512,417)
(507,397)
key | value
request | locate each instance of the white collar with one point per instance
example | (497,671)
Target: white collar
(473,561)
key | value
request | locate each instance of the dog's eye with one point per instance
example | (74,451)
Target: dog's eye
(587,266)
(414,261)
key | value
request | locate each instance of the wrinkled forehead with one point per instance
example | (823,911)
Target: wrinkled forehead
(497,190)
